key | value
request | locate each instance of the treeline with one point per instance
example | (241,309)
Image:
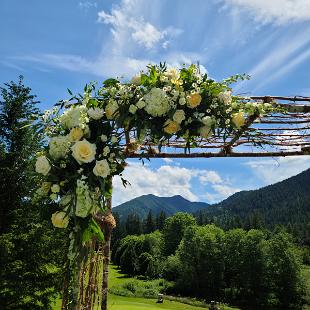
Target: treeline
(256,269)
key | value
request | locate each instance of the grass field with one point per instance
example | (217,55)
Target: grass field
(132,303)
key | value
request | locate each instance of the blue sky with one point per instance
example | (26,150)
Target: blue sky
(59,44)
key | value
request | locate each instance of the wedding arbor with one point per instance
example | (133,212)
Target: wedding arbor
(161,113)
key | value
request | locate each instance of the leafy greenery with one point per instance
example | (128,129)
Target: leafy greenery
(31,251)
(255,268)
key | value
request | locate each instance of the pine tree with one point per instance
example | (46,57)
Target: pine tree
(160,220)
(133,224)
(28,244)
(149,225)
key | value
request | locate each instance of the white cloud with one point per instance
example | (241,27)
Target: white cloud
(220,192)
(271,171)
(127,24)
(210,177)
(165,181)
(275,11)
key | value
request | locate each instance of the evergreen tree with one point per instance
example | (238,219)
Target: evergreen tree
(28,244)
(160,220)
(133,224)
(149,225)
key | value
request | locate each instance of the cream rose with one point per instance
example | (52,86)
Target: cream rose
(179,116)
(42,165)
(60,219)
(238,119)
(171,127)
(225,97)
(194,101)
(102,168)
(111,109)
(95,113)
(75,134)
(83,151)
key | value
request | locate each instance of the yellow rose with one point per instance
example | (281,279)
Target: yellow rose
(205,132)
(60,220)
(238,119)
(75,134)
(46,186)
(171,127)
(83,151)
(194,100)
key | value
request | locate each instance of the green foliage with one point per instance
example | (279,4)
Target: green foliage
(174,230)
(140,254)
(31,252)
(201,261)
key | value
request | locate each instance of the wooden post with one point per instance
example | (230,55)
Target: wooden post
(106,255)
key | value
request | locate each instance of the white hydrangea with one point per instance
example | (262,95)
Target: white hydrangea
(95,113)
(84,201)
(76,116)
(59,147)
(157,103)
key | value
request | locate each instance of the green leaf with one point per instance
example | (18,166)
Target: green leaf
(110,82)
(69,91)
(96,230)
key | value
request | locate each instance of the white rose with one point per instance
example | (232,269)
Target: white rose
(95,113)
(179,116)
(53,196)
(225,97)
(101,168)
(59,147)
(75,134)
(207,121)
(55,188)
(42,165)
(172,73)
(60,219)
(83,151)
(133,109)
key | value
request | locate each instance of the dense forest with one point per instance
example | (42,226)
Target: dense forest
(254,269)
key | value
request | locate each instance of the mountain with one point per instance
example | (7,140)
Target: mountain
(170,205)
(280,203)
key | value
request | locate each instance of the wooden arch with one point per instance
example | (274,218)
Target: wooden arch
(281,134)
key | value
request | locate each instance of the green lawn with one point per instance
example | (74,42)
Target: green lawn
(132,303)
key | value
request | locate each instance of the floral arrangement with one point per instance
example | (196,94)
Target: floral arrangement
(87,143)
